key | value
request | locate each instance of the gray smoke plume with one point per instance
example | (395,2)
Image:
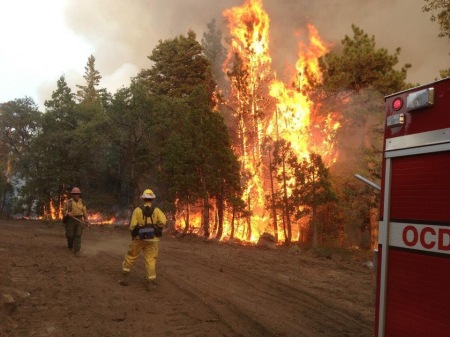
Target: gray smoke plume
(124,33)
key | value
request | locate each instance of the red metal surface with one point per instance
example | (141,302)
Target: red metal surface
(418,292)
(421,187)
(418,296)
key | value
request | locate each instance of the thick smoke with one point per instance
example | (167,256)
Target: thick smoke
(124,33)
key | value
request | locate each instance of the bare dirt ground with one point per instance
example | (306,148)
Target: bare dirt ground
(204,289)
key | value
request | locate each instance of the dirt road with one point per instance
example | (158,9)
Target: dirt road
(204,289)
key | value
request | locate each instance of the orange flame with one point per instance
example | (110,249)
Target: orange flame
(101,219)
(249,30)
(294,119)
(53,212)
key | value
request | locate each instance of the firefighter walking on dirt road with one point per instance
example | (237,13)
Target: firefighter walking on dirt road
(146,227)
(75,218)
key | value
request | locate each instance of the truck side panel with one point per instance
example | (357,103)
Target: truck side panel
(418,284)
(418,296)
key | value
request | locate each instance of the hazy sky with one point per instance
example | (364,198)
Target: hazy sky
(44,39)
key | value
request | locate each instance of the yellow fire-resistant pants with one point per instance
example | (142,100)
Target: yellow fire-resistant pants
(150,248)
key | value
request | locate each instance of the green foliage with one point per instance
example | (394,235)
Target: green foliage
(445,73)
(182,162)
(198,161)
(53,146)
(135,131)
(309,184)
(214,51)
(20,125)
(313,187)
(361,65)
(284,163)
(177,144)
(194,156)
(440,12)
(88,93)
(179,67)
(89,148)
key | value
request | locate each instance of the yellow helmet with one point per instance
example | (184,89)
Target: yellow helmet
(148,194)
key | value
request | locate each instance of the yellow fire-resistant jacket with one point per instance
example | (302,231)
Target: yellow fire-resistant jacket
(158,219)
(78,208)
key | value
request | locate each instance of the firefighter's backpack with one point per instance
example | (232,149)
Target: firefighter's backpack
(149,230)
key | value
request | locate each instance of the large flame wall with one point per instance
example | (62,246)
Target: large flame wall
(266,107)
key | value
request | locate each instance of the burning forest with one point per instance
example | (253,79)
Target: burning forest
(234,149)
(274,123)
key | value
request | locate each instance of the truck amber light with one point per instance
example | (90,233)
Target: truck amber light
(395,120)
(397,104)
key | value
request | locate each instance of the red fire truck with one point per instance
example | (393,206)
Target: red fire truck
(413,272)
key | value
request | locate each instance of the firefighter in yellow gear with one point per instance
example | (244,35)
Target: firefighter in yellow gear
(75,211)
(145,227)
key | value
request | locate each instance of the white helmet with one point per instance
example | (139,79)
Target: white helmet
(75,190)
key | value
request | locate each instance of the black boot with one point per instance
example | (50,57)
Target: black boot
(125,279)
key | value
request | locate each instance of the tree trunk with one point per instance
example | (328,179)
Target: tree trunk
(274,210)
(284,227)
(286,206)
(249,222)
(314,226)
(206,216)
(314,209)
(232,224)
(220,207)
(186,219)
(3,202)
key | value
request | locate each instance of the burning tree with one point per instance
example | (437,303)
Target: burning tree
(276,123)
